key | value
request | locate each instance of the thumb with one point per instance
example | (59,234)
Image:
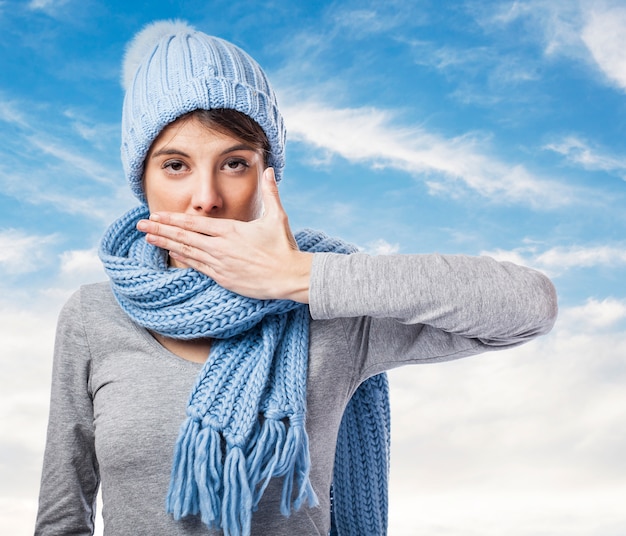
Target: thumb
(269,191)
(273,208)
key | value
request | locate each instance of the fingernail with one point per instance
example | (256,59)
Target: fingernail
(142,225)
(155,217)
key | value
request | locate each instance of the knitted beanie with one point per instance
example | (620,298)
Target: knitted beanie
(171,69)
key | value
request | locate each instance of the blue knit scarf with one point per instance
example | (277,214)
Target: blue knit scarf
(246,414)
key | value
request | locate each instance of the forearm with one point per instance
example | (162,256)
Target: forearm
(476,297)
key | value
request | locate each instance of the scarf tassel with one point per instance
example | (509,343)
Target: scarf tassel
(282,451)
(182,496)
(264,456)
(295,463)
(226,491)
(209,473)
(237,504)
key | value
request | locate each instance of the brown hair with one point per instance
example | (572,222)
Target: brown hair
(233,123)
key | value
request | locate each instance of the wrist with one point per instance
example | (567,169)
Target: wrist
(300,277)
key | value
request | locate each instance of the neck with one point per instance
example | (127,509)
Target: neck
(195,350)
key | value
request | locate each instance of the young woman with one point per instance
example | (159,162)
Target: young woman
(229,378)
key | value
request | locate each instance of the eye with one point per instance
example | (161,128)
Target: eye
(175,167)
(236,164)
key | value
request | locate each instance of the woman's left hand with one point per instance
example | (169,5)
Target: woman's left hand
(259,259)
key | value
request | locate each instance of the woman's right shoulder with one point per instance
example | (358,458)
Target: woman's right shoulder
(89,295)
(90,303)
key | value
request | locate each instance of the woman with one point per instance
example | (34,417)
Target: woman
(229,377)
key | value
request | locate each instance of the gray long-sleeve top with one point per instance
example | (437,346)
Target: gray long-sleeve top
(119,397)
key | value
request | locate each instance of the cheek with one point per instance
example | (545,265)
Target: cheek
(162,195)
(250,201)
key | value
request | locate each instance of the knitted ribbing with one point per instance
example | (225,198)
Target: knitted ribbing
(171,69)
(246,415)
(359,492)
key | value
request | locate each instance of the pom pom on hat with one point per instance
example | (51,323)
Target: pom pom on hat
(145,41)
(171,69)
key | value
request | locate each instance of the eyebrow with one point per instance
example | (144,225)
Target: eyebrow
(174,151)
(166,151)
(239,147)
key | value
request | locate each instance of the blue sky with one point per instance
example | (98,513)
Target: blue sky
(475,127)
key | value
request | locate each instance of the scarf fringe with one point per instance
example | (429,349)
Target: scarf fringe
(237,505)
(208,471)
(295,464)
(264,456)
(225,490)
(182,497)
(223,465)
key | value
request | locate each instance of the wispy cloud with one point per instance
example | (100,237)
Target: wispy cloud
(449,166)
(547,411)
(501,70)
(583,154)
(595,314)
(10,113)
(38,187)
(587,31)
(72,159)
(381,247)
(46,5)
(605,38)
(561,258)
(22,253)
(61,160)
(99,135)
(556,24)
(366,18)
(81,265)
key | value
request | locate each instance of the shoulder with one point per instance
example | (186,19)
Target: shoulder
(96,296)
(94,306)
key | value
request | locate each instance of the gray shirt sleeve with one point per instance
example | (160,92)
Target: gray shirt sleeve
(401,309)
(70,478)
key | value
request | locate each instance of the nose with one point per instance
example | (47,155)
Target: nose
(206,198)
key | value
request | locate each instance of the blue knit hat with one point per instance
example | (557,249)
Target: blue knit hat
(171,69)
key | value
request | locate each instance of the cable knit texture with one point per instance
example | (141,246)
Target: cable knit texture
(246,415)
(171,69)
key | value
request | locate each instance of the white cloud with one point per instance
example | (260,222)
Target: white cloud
(556,23)
(46,164)
(99,135)
(46,5)
(381,247)
(581,153)
(74,160)
(595,314)
(82,266)
(522,442)
(558,259)
(9,113)
(22,253)
(36,188)
(27,334)
(590,31)
(449,166)
(362,19)
(428,510)
(605,38)
(582,257)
